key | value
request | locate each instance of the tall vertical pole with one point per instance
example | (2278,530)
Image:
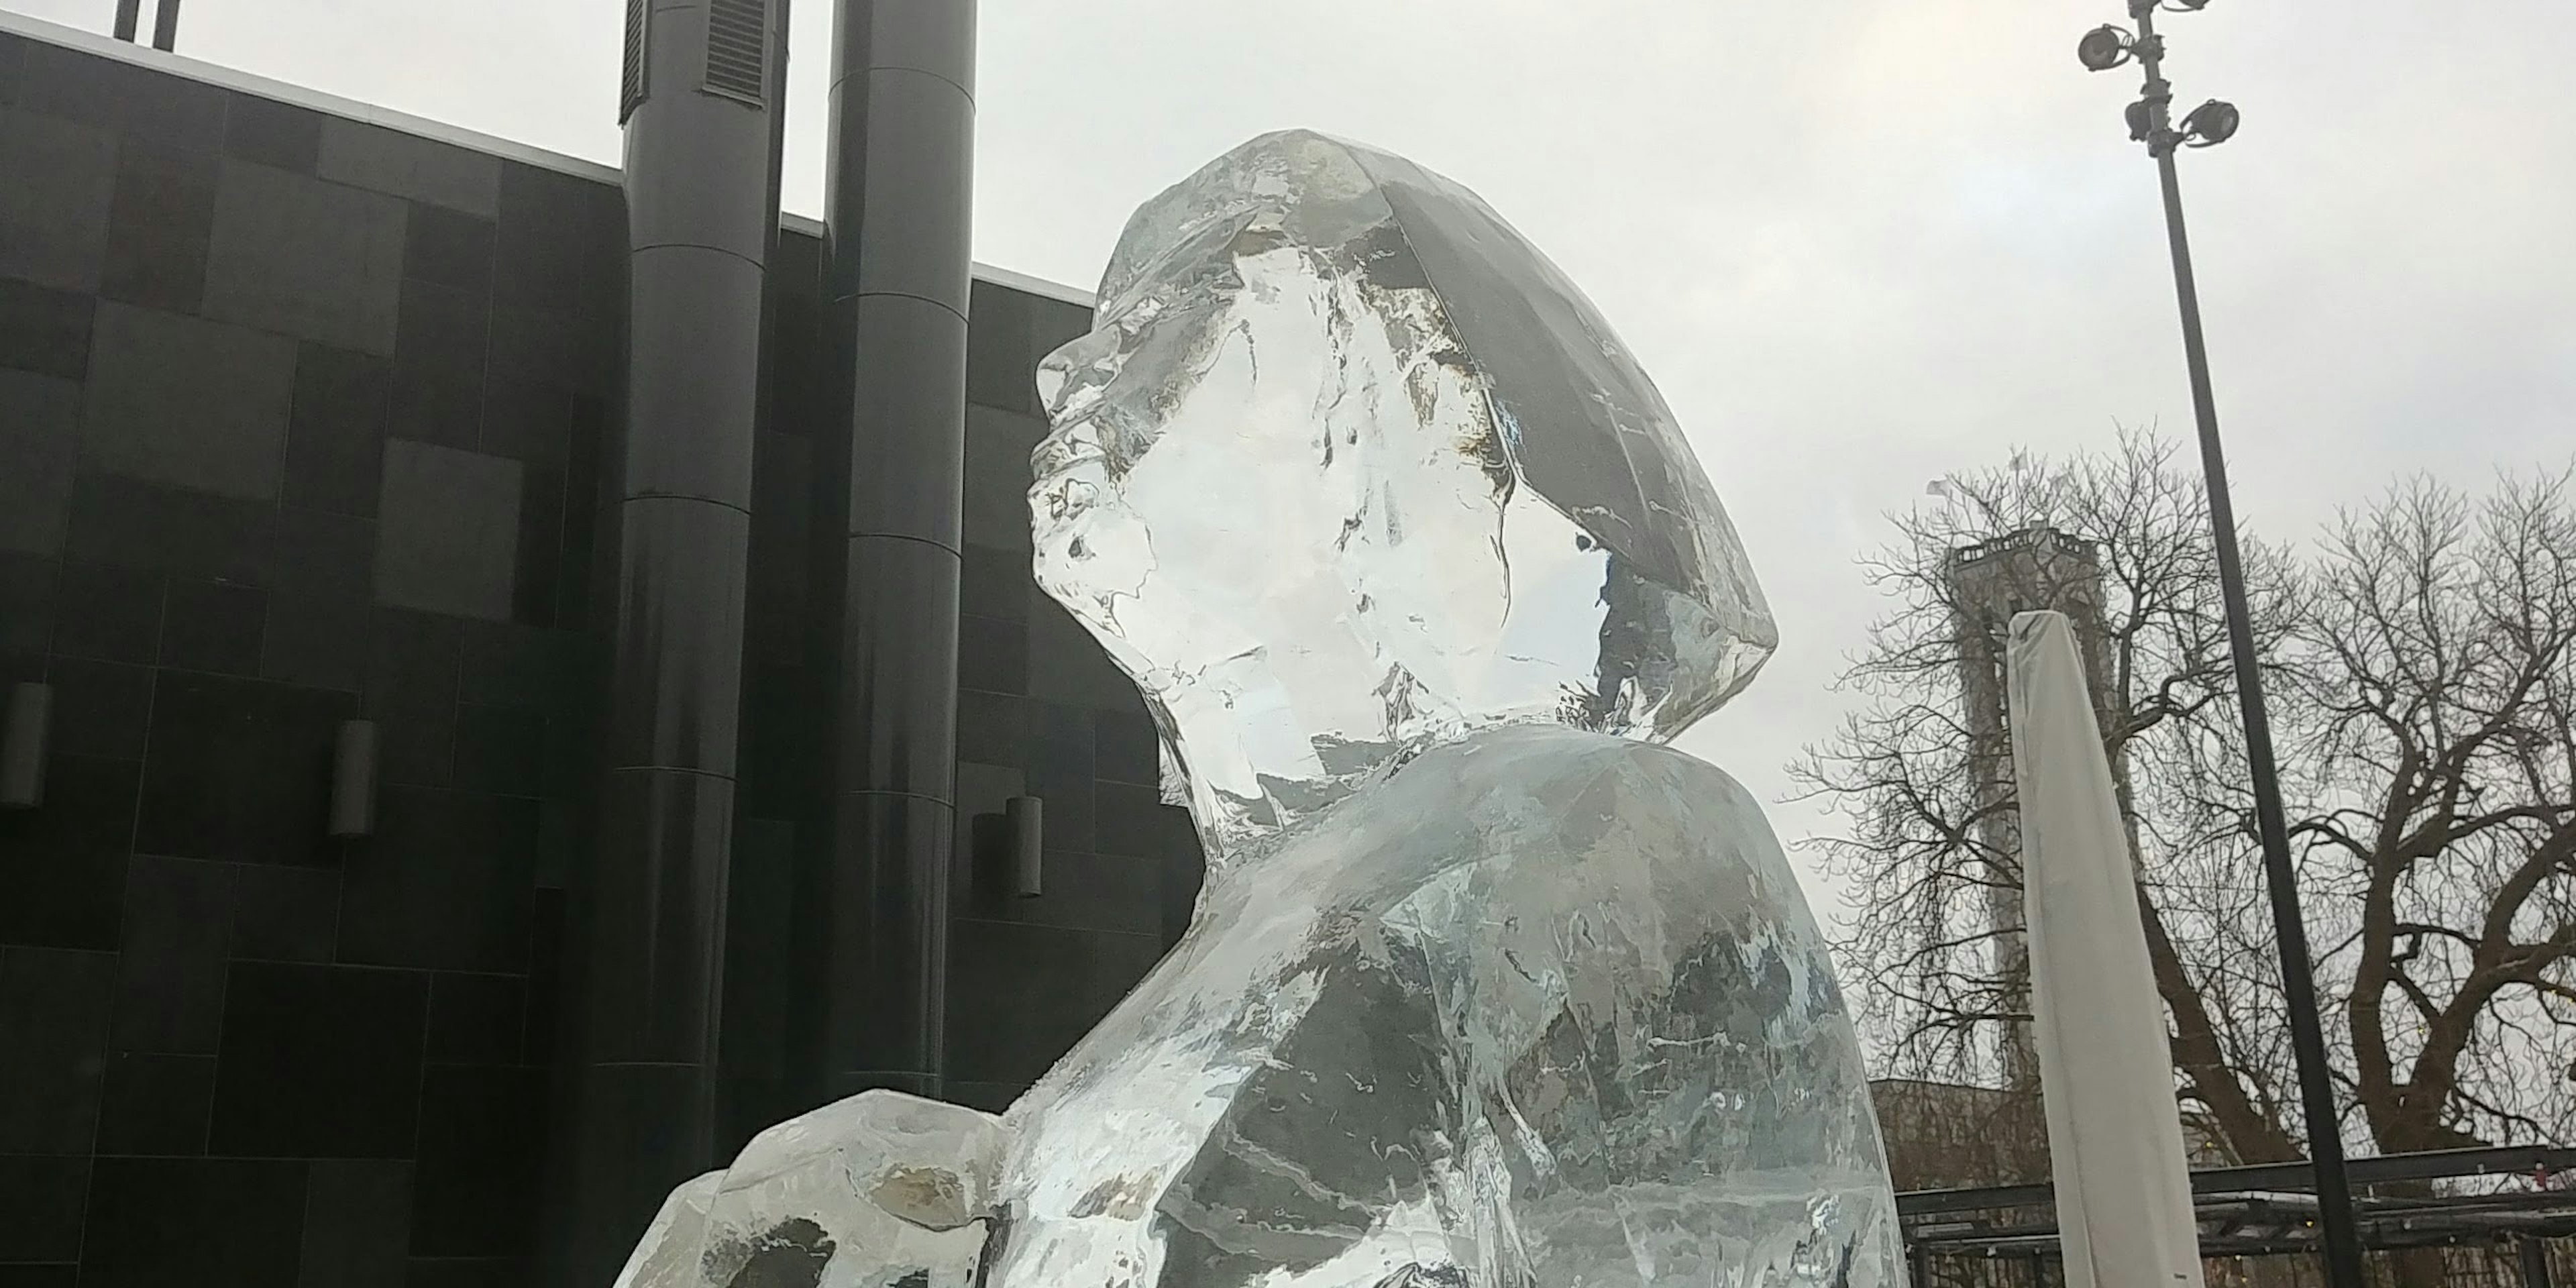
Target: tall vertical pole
(898,200)
(703,87)
(2298,983)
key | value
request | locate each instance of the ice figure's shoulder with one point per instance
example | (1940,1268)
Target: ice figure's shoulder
(1517,780)
(1548,806)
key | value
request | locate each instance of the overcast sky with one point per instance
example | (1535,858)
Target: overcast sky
(1857,242)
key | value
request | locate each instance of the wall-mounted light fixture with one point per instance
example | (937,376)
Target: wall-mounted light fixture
(23,730)
(1024,830)
(353,780)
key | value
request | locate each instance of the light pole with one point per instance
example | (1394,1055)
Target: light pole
(2151,123)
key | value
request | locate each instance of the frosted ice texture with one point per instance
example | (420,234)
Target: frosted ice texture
(879,1190)
(1346,467)
(1486,988)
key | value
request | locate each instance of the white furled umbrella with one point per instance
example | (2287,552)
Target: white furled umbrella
(2124,1214)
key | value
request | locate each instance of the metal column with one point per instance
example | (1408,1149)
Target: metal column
(703,87)
(894,306)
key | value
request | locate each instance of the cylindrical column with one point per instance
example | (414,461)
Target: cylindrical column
(894,298)
(701,96)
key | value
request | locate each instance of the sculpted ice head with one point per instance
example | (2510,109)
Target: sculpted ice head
(1347,467)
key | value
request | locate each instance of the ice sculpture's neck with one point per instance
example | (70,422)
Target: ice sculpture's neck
(1260,756)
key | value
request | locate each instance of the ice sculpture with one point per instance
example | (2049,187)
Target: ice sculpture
(1487,987)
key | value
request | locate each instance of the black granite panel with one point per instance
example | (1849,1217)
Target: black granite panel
(500,750)
(466,1272)
(782,517)
(53,210)
(62,868)
(54,1008)
(13,66)
(39,436)
(187,402)
(1054,324)
(213,626)
(517,666)
(1059,743)
(998,444)
(314,260)
(413,666)
(240,769)
(122,97)
(100,708)
(330,556)
(449,247)
(537,573)
(1071,821)
(1079,891)
(996,583)
(991,1097)
(285,914)
(1020,995)
(474,1192)
(26,603)
(438,363)
(476,1019)
(1129,749)
(526,420)
(170,988)
(407,165)
(145,525)
(1001,368)
(992,654)
(272,133)
(1067,665)
(319,1061)
(554,343)
(336,430)
(545,977)
(445,884)
(449,542)
(159,227)
(357,1224)
(562,241)
(220,1223)
(156,1104)
(316,641)
(989,727)
(45,331)
(41,1203)
(108,614)
(1133,820)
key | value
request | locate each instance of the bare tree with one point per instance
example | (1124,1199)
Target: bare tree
(2423,684)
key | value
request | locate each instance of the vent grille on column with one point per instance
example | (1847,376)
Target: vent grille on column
(738,49)
(631,89)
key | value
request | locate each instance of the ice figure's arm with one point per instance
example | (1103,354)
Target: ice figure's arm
(874,1191)
(1656,1058)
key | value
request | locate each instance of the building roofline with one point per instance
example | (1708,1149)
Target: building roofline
(222,77)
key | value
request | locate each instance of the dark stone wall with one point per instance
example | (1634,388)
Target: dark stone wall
(300,421)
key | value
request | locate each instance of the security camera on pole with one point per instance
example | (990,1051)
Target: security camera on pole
(2214,122)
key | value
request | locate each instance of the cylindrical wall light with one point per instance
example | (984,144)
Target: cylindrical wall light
(1024,823)
(22,744)
(353,780)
